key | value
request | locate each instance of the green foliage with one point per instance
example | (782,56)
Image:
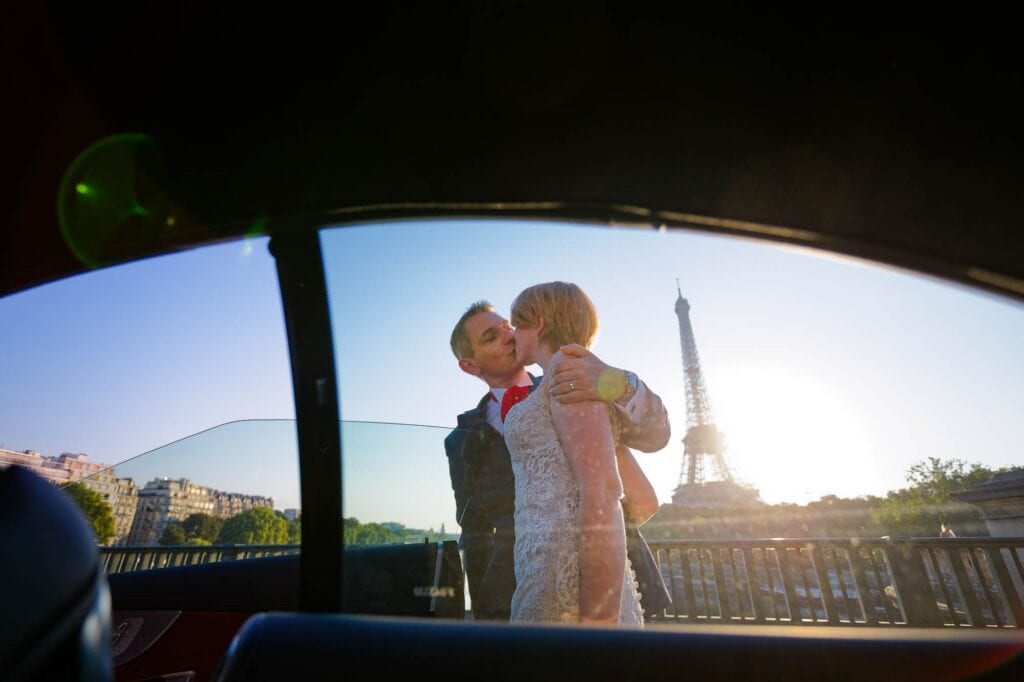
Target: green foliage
(201,527)
(257,526)
(921,509)
(389,533)
(917,511)
(937,478)
(95,508)
(174,534)
(830,516)
(197,529)
(369,533)
(914,518)
(294,529)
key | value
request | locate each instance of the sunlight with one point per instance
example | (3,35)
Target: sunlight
(793,438)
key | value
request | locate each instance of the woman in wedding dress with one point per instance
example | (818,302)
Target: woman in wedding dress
(570,551)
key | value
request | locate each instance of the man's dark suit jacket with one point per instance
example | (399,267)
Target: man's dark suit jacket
(481,473)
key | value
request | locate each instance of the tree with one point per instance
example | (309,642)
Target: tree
(173,535)
(201,526)
(936,479)
(294,529)
(256,526)
(921,509)
(369,533)
(97,511)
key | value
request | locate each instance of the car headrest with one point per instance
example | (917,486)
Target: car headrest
(55,618)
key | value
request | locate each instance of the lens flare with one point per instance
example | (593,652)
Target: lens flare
(113,197)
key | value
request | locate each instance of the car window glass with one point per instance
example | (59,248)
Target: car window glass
(172,370)
(853,400)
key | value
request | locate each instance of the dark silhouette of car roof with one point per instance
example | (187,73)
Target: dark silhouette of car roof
(880,135)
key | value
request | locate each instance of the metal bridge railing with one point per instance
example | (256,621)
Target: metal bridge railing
(128,559)
(920,582)
(884,582)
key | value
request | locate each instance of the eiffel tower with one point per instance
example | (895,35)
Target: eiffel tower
(705,479)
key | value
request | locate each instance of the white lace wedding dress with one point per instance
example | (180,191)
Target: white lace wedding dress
(547,522)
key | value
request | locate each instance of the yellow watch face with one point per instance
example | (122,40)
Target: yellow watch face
(612,384)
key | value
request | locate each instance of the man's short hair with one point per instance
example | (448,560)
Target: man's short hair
(569,314)
(461,344)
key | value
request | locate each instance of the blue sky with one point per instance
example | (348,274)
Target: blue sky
(826,375)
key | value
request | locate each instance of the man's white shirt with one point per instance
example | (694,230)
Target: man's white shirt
(635,410)
(494,405)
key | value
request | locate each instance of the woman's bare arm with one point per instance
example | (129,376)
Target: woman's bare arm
(640,502)
(585,432)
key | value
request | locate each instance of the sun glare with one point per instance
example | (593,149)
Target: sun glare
(792,437)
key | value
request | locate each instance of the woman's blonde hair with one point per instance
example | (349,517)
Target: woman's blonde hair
(569,314)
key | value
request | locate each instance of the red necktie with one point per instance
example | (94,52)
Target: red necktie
(511,397)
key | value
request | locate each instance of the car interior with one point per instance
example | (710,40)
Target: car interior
(238,239)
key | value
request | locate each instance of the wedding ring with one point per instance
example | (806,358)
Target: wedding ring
(572,386)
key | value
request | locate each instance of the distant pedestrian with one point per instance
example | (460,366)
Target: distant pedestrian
(946,531)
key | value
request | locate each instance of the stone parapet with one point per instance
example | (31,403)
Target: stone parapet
(1001,501)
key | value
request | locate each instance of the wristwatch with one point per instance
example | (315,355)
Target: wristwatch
(632,384)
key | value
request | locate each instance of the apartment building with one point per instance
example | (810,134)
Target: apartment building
(164,501)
